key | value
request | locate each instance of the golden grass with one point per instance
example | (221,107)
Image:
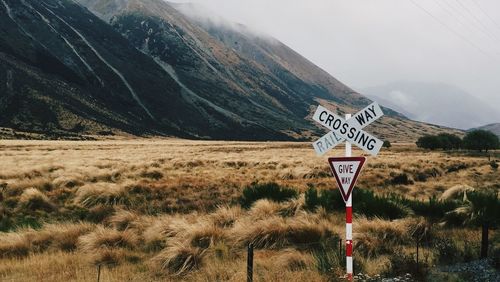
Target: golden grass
(107,238)
(166,210)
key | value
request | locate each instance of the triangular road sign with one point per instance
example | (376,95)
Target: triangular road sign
(346,171)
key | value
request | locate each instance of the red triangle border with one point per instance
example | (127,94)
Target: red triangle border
(361,160)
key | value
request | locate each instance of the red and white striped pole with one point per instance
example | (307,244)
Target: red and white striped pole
(348,220)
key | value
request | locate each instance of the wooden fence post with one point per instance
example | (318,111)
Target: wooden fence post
(98,272)
(250,263)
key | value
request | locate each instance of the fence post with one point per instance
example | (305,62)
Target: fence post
(98,272)
(418,241)
(484,240)
(250,263)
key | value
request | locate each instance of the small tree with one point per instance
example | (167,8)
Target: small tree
(429,142)
(449,141)
(481,140)
(480,209)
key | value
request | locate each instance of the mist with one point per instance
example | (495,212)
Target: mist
(372,43)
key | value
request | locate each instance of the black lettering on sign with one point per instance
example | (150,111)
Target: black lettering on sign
(346,168)
(372,109)
(336,124)
(371,144)
(329,120)
(363,139)
(360,119)
(320,115)
(352,131)
(344,128)
(368,116)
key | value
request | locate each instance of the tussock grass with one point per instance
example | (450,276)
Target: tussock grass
(107,238)
(179,259)
(294,260)
(204,235)
(123,219)
(226,216)
(34,199)
(62,237)
(100,194)
(264,208)
(377,236)
(456,192)
(160,229)
(277,233)
(140,215)
(14,245)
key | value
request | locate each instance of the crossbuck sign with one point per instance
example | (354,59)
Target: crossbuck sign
(346,170)
(350,130)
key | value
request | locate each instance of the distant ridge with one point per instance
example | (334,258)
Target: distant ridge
(493,127)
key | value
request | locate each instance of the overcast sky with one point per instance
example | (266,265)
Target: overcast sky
(373,42)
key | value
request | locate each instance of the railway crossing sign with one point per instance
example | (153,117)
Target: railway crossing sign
(350,130)
(346,171)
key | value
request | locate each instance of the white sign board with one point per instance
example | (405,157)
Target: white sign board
(351,133)
(361,119)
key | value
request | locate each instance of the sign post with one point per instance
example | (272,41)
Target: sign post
(348,220)
(346,170)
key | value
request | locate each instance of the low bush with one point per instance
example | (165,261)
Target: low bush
(271,191)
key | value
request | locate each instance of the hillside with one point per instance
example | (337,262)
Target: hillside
(145,68)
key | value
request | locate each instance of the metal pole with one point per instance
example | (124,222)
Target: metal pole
(250,263)
(348,220)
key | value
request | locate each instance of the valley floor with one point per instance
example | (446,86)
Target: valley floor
(161,210)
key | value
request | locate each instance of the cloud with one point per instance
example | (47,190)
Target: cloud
(367,43)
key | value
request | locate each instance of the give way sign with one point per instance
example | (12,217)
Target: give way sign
(346,171)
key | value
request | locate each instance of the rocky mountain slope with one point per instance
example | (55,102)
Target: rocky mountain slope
(145,68)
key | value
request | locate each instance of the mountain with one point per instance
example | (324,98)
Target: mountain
(435,103)
(494,127)
(146,68)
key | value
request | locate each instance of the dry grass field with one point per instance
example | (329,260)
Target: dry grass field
(168,210)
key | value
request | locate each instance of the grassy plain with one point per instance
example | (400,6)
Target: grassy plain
(161,210)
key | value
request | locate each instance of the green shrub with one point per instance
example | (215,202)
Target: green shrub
(386,144)
(311,198)
(371,205)
(271,191)
(328,199)
(432,208)
(367,203)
